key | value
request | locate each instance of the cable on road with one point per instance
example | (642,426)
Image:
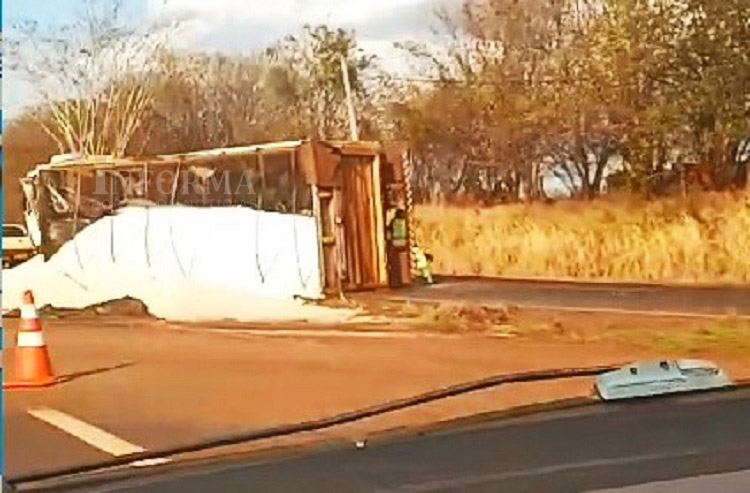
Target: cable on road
(318,424)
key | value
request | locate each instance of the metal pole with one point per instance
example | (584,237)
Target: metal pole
(354,133)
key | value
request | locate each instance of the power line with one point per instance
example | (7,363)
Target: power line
(548,80)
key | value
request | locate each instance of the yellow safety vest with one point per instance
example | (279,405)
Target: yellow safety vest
(398,232)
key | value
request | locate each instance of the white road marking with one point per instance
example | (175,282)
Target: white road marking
(462,483)
(96,437)
(731,482)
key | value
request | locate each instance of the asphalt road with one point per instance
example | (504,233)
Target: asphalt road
(599,447)
(22,430)
(698,300)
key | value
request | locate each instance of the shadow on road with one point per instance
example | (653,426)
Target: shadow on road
(74,376)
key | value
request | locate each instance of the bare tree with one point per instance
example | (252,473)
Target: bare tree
(92,77)
(310,66)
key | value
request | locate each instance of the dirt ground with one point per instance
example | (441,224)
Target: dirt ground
(158,384)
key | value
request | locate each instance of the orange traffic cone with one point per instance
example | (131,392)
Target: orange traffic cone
(32,364)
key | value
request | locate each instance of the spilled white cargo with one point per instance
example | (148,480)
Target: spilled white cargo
(184,263)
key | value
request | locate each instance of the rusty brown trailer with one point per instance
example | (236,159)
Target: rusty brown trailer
(351,188)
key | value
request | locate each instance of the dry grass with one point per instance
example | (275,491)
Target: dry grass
(445,317)
(702,239)
(730,337)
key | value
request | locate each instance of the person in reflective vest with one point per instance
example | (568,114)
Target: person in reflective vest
(399,237)
(423,261)
(398,251)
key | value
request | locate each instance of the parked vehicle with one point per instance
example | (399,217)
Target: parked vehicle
(17,245)
(651,378)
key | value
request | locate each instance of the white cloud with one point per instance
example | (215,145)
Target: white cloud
(285,11)
(237,26)
(245,25)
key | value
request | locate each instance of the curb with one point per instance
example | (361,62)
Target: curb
(569,309)
(623,283)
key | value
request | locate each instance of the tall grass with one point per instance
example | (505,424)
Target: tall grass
(705,238)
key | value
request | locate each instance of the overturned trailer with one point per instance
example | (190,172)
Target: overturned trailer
(347,191)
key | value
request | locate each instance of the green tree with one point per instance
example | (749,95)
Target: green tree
(497,72)
(680,74)
(576,89)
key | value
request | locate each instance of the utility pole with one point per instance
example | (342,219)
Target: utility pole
(354,133)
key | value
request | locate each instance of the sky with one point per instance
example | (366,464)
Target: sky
(241,26)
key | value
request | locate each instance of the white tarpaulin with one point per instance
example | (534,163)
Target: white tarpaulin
(184,263)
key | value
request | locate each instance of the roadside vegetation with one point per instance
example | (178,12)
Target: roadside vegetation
(705,238)
(726,337)
(451,318)
(730,336)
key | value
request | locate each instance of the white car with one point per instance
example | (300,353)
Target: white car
(651,378)
(17,245)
